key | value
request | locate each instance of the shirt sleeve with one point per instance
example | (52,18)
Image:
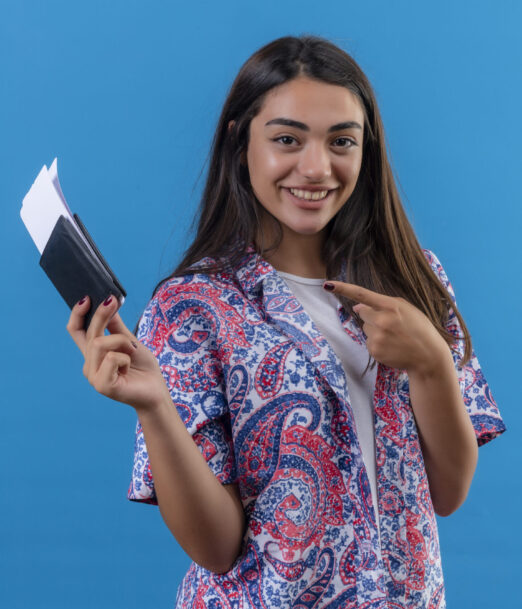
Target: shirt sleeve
(476,393)
(179,327)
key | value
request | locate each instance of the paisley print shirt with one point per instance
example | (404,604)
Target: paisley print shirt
(265,399)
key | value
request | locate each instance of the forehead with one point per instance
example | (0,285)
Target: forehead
(316,103)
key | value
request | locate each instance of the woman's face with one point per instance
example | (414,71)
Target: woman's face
(305,152)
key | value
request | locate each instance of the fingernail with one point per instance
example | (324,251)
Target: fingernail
(107,301)
(135,345)
(80,302)
(329,286)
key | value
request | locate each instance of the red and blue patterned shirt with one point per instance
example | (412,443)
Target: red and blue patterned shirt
(265,399)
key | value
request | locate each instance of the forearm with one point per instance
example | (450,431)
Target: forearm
(206,518)
(447,437)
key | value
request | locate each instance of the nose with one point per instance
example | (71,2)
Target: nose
(314,162)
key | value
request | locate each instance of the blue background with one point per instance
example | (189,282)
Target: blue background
(126,94)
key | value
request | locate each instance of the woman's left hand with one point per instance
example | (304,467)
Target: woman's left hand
(399,335)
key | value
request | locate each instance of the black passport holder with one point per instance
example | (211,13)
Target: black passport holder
(75,270)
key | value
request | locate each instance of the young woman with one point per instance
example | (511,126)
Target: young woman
(306,390)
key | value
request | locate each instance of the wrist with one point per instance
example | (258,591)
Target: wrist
(437,363)
(156,405)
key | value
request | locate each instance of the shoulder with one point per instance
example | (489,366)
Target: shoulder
(196,296)
(433,261)
(193,313)
(194,287)
(439,271)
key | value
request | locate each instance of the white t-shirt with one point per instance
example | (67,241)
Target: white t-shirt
(322,308)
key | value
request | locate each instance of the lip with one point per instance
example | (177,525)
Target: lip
(305,203)
(311,188)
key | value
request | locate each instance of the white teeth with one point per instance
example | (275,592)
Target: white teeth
(309,195)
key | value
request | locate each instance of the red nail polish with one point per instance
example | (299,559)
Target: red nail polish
(80,302)
(107,301)
(329,286)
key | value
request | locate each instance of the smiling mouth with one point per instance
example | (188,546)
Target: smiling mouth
(308,195)
(313,200)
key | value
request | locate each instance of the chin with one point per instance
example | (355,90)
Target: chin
(306,230)
(307,227)
(312,231)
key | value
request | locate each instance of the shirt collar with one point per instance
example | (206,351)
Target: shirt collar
(252,271)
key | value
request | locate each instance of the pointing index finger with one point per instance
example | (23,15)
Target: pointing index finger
(358,294)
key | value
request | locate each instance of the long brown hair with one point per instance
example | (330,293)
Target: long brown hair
(370,234)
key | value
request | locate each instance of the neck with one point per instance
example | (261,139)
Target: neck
(299,255)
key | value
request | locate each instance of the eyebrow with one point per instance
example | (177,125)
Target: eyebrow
(289,122)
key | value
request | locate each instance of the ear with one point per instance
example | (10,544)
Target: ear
(231,124)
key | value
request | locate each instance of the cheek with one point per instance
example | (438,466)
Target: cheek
(274,163)
(350,170)
(265,165)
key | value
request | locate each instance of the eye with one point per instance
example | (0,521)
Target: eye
(344,142)
(286,140)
